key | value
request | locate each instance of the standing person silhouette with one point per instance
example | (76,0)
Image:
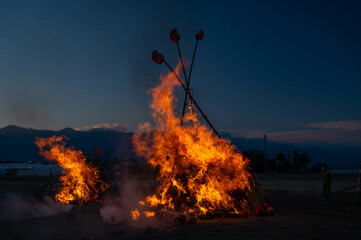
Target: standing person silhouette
(326,184)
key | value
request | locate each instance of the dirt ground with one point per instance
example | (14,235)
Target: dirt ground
(302,215)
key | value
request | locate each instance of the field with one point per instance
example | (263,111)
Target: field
(297,197)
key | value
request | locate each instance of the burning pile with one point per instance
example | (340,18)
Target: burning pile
(81,182)
(199,173)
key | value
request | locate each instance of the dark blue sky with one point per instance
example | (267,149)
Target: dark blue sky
(291,69)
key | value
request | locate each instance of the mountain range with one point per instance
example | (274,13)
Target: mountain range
(17,145)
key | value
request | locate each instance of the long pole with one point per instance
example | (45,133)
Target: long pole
(190,71)
(187,82)
(359,188)
(204,116)
(185,77)
(180,81)
(195,103)
(265,153)
(184,108)
(180,56)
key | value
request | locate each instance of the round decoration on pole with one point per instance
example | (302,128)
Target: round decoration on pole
(174,35)
(157,57)
(199,35)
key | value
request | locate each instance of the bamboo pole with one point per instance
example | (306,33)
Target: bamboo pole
(191,98)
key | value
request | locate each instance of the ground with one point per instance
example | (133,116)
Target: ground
(302,215)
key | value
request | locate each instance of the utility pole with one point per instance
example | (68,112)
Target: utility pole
(359,186)
(265,154)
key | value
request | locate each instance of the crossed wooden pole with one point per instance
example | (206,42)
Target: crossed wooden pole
(159,58)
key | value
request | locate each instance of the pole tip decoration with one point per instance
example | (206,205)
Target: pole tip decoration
(157,57)
(174,35)
(199,35)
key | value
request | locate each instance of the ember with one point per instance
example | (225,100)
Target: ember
(199,173)
(81,182)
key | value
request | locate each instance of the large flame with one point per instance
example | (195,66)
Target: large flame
(198,172)
(81,182)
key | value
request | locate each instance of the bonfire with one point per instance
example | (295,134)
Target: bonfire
(199,172)
(81,182)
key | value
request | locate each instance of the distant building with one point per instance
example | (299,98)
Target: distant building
(15,169)
(19,171)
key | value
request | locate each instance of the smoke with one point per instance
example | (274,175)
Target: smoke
(15,207)
(117,210)
(131,191)
(113,214)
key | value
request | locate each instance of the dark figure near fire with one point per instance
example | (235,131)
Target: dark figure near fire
(39,191)
(51,184)
(326,183)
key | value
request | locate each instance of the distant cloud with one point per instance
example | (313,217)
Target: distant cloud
(246,133)
(112,126)
(340,132)
(343,125)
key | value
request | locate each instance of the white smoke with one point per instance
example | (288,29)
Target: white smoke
(15,207)
(118,210)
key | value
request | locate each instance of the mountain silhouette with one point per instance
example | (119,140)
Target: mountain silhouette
(17,144)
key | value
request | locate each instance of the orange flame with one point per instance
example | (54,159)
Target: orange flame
(149,214)
(135,214)
(198,172)
(80,182)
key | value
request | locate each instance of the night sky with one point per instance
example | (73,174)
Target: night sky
(288,69)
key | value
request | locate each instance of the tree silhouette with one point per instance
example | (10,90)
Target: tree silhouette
(283,162)
(300,161)
(257,159)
